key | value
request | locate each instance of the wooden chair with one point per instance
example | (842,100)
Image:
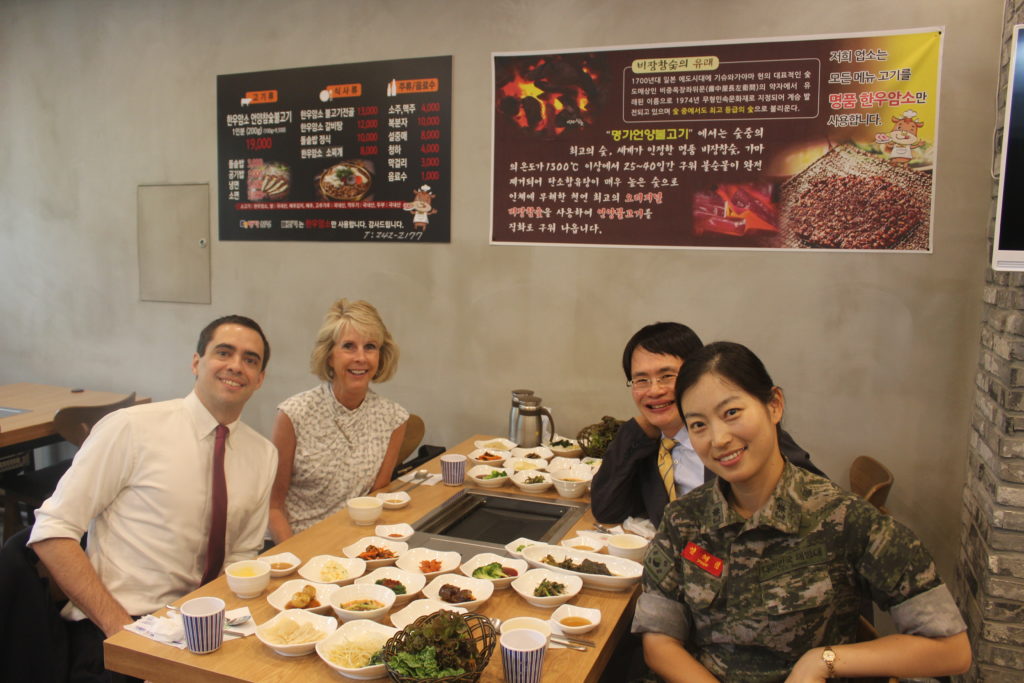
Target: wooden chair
(414,431)
(871,480)
(30,489)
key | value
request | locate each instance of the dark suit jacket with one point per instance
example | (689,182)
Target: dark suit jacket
(628,484)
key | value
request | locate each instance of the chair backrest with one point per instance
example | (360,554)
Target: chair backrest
(414,431)
(74,423)
(871,480)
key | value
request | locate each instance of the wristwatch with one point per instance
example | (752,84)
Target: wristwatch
(828,655)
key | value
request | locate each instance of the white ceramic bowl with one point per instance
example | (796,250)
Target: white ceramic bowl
(418,608)
(625,573)
(352,632)
(475,474)
(318,569)
(477,561)
(481,590)
(410,561)
(476,455)
(413,582)
(515,548)
(283,594)
(395,500)
(495,444)
(589,544)
(248,578)
(529,581)
(571,489)
(357,591)
(365,510)
(520,479)
(394,532)
(543,452)
(291,559)
(326,625)
(573,450)
(629,546)
(514,465)
(396,547)
(532,623)
(591,615)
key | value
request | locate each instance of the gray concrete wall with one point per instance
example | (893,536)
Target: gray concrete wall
(875,351)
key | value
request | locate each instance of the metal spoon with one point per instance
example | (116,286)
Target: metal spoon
(421,477)
(417,478)
(554,637)
(234,621)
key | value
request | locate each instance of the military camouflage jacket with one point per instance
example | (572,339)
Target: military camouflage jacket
(748,597)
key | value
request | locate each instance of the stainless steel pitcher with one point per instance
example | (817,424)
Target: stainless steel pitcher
(513,413)
(529,425)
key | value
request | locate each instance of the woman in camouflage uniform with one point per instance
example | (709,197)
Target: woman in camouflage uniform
(759,575)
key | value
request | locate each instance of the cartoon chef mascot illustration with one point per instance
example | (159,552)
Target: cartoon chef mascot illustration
(421,208)
(899,143)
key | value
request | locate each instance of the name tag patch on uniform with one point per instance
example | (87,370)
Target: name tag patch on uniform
(795,559)
(703,559)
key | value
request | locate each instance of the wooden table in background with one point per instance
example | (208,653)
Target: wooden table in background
(34,428)
(247,659)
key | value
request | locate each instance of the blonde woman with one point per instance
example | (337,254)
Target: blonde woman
(339,439)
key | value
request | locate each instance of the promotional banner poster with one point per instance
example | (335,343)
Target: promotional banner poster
(824,142)
(344,153)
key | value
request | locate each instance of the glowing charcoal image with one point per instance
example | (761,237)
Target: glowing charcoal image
(548,95)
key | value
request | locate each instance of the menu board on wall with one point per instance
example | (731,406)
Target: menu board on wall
(343,153)
(824,142)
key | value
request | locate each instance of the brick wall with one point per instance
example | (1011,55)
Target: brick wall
(990,571)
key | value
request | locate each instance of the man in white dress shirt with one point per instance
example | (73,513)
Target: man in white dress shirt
(142,486)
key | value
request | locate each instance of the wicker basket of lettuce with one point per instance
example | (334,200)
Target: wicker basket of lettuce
(594,439)
(443,647)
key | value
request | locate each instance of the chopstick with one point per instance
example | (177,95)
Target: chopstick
(565,643)
(578,641)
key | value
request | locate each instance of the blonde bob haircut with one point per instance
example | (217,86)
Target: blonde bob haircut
(366,320)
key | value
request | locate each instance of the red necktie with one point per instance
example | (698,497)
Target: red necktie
(219,516)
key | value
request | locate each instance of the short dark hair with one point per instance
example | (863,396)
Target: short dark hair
(733,362)
(207,334)
(672,339)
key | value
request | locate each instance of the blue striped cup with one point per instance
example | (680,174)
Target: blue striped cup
(522,654)
(203,619)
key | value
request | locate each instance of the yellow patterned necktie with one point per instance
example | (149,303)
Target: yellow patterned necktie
(665,466)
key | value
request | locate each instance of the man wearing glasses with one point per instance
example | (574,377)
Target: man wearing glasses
(650,461)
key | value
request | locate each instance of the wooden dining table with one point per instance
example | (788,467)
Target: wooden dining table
(247,659)
(27,410)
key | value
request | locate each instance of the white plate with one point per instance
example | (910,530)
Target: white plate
(591,544)
(327,626)
(418,608)
(487,558)
(513,546)
(480,589)
(403,530)
(495,444)
(475,473)
(311,571)
(292,559)
(410,561)
(345,633)
(519,479)
(475,454)
(544,452)
(571,451)
(526,584)
(625,573)
(413,582)
(279,598)
(397,547)
(592,615)
(395,500)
